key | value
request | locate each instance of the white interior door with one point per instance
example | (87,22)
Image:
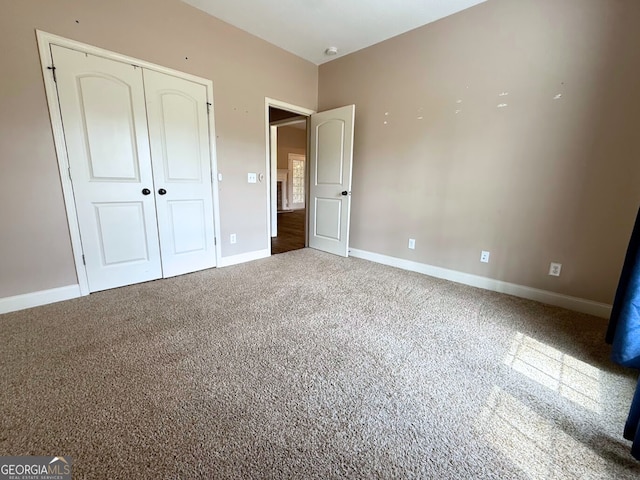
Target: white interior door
(179,133)
(331,159)
(102,106)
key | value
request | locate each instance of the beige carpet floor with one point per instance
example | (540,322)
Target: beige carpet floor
(306,365)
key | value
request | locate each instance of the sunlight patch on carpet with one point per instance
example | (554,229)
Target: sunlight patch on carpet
(573,379)
(533,443)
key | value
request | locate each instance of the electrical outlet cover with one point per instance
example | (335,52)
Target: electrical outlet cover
(484,256)
(555,269)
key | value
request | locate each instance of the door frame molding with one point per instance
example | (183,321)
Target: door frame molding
(45,40)
(271,145)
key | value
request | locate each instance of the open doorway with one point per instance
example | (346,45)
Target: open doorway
(326,171)
(288,140)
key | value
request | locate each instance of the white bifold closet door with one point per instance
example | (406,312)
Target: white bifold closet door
(179,134)
(140,170)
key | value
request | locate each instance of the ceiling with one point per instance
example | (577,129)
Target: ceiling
(307,27)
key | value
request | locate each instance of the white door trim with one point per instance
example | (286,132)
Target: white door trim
(272,184)
(272,169)
(45,40)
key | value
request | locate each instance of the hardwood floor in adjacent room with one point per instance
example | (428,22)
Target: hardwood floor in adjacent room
(291,232)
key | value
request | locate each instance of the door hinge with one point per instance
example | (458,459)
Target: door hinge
(53,71)
(69,170)
(83,260)
(208,108)
(215,241)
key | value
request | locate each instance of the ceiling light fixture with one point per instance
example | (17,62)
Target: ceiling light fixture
(331,51)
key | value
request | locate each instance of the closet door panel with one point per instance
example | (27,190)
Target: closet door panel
(105,126)
(179,133)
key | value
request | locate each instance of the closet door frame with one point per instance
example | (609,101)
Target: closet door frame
(45,40)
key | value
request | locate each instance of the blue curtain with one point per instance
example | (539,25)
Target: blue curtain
(624,329)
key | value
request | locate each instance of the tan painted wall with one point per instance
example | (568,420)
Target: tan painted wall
(290,140)
(35,251)
(540,180)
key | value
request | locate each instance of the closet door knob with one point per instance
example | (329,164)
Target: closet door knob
(146,191)
(162,191)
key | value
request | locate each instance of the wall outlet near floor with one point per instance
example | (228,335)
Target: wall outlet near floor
(554,269)
(412,243)
(251,177)
(232,238)
(484,256)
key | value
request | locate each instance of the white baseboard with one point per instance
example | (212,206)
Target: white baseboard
(543,296)
(43,297)
(35,299)
(244,257)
